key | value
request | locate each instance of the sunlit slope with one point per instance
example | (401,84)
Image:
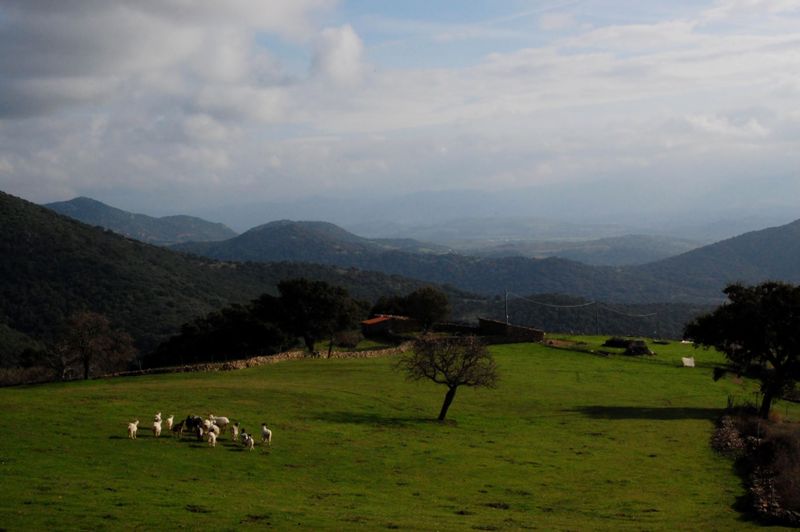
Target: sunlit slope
(567,441)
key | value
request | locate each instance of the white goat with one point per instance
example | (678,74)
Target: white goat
(249,442)
(169,421)
(212,439)
(266,435)
(156,429)
(157,417)
(132,428)
(220,421)
(235,432)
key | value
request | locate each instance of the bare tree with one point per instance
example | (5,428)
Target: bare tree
(452,362)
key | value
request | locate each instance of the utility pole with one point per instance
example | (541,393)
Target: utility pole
(507,307)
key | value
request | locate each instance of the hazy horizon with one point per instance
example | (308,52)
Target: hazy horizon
(594,111)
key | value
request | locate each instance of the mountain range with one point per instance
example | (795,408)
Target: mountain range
(161,231)
(695,276)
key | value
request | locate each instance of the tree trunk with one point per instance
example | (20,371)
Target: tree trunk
(309,344)
(448,399)
(766,403)
(86,367)
(330,346)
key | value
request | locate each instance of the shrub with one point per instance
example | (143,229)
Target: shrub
(347,339)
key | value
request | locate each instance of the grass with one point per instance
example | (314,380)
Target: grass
(568,441)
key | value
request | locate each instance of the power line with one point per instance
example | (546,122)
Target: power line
(551,305)
(628,315)
(581,305)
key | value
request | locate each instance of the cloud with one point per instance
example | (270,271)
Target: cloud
(338,56)
(150,97)
(76,52)
(556,21)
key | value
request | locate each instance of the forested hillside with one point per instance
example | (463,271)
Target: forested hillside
(328,244)
(52,266)
(696,277)
(769,254)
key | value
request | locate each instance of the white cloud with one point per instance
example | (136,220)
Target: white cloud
(338,56)
(154,95)
(556,21)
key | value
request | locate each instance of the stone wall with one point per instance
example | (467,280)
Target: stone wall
(263,360)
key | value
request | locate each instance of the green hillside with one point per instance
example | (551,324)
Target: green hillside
(163,231)
(567,441)
(51,266)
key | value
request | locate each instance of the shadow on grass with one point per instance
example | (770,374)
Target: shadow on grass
(366,418)
(643,412)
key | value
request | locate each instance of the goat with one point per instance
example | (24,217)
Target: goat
(266,435)
(157,417)
(220,421)
(132,428)
(177,429)
(212,439)
(235,432)
(249,442)
(169,420)
(156,429)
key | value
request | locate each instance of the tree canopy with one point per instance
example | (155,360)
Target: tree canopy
(453,362)
(758,330)
(427,305)
(87,341)
(314,310)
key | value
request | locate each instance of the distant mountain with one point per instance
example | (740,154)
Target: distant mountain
(769,254)
(660,207)
(461,232)
(160,231)
(325,243)
(319,242)
(613,251)
(52,266)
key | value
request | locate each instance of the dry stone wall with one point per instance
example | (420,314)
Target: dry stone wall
(264,360)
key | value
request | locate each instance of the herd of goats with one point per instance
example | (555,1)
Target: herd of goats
(208,429)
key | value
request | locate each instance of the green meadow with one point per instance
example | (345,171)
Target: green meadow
(567,441)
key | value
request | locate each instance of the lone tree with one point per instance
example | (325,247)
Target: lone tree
(758,330)
(452,362)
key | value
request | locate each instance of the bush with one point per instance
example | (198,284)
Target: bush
(768,455)
(347,339)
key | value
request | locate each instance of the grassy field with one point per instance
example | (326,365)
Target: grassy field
(568,441)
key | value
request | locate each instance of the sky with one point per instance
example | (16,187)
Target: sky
(177,106)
